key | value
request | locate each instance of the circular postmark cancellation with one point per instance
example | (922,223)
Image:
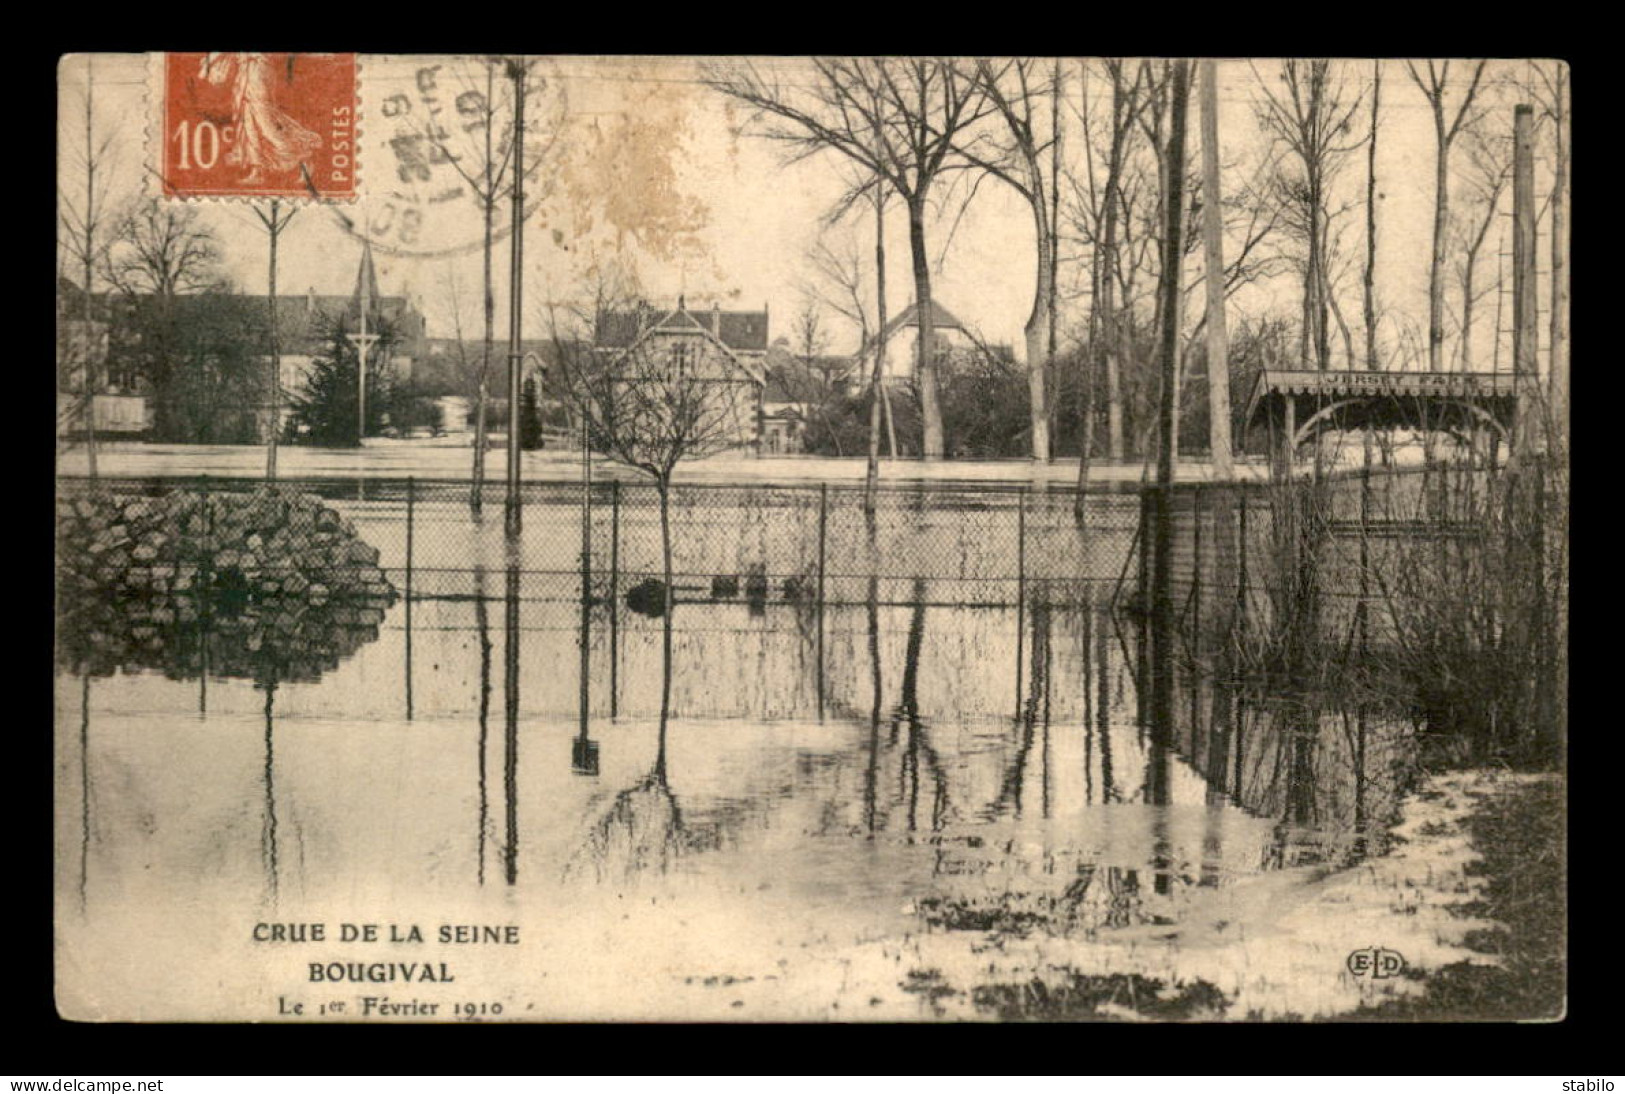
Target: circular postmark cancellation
(259,125)
(438,137)
(442,134)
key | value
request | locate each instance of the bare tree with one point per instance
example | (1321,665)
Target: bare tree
(1551,95)
(1218,353)
(1099,213)
(812,378)
(839,283)
(1489,172)
(899,120)
(275,219)
(86,218)
(1307,121)
(161,249)
(158,251)
(1435,85)
(480,148)
(1013,154)
(1369,280)
(650,405)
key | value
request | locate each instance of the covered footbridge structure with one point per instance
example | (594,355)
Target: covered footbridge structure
(1291,407)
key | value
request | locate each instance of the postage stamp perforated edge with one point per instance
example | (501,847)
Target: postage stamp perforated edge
(155,124)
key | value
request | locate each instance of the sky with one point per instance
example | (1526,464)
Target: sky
(637,163)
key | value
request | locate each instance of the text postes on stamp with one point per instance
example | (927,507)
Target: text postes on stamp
(272,125)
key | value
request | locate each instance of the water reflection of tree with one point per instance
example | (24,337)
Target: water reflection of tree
(268,831)
(917,746)
(643,829)
(1034,719)
(482,624)
(510,728)
(872,772)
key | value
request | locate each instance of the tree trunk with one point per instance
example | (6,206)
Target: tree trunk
(1467,312)
(1162,615)
(1441,220)
(930,412)
(1114,335)
(1218,349)
(482,396)
(1037,329)
(488,201)
(1086,440)
(89,375)
(1050,299)
(663,489)
(1557,379)
(878,377)
(1036,332)
(274,389)
(1370,301)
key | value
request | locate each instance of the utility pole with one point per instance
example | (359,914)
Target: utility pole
(274,223)
(517,70)
(1218,349)
(1162,607)
(1524,316)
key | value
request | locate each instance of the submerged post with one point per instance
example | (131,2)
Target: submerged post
(1021,590)
(823,526)
(411,496)
(614,594)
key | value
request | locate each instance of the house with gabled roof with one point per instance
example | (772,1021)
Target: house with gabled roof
(723,348)
(903,338)
(301,323)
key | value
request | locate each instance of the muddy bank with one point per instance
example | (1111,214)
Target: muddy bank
(1518,830)
(1465,898)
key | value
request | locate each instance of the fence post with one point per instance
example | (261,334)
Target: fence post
(1241,561)
(201,593)
(1145,548)
(411,523)
(1021,589)
(1196,567)
(614,594)
(823,532)
(1021,545)
(586,533)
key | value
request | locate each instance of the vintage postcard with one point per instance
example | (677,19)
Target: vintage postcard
(819,539)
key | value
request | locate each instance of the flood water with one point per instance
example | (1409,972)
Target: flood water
(889,806)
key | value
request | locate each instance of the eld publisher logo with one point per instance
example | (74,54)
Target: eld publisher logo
(1376,962)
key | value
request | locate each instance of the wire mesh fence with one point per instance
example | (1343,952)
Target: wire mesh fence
(1444,585)
(757,544)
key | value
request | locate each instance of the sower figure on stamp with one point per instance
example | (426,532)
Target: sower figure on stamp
(267,137)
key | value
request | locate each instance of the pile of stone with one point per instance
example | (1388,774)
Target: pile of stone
(273,542)
(271,584)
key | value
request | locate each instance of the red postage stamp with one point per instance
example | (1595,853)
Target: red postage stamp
(274,125)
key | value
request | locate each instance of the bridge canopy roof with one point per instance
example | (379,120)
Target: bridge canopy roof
(1390,399)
